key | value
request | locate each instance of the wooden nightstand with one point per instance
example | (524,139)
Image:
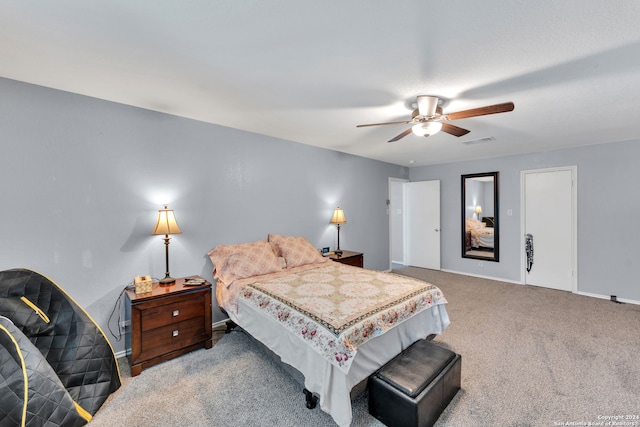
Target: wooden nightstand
(350,258)
(167,322)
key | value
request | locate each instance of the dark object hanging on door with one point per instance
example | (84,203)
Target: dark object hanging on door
(529,248)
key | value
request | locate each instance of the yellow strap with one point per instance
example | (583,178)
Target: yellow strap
(83,413)
(35,308)
(24,375)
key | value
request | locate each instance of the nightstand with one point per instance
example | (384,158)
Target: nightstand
(350,258)
(167,322)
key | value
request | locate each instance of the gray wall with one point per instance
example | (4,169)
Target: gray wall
(607,214)
(81,181)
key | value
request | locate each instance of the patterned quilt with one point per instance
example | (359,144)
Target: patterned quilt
(335,308)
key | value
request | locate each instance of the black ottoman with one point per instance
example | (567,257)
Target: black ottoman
(415,386)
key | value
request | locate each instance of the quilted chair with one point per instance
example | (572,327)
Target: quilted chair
(57,368)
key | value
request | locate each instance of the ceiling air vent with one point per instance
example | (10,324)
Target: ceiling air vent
(479,141)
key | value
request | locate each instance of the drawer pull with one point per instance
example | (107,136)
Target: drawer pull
(175,333)
(176,312)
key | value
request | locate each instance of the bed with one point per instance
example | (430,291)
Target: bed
(480,234)
(336,324)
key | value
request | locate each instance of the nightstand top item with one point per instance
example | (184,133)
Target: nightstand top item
(345,254)
(159,290)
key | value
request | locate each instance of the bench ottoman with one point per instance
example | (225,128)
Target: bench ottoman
(415,386)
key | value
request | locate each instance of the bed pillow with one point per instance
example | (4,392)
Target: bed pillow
(233,262)
(488,220)
(296,251)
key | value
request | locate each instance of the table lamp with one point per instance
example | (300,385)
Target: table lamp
(338,219)
(166,225)
(478,211)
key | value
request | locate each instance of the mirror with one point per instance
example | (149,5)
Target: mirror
(480,231)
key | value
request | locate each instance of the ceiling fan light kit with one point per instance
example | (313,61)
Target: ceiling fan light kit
(427,129)
(428,119)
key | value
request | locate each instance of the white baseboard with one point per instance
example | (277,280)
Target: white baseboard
(222,322)
(607,297)
(497,279)
(586,294)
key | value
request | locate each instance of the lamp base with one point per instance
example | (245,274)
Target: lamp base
(167,281)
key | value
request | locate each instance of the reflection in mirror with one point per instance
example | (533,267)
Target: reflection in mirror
(480,237)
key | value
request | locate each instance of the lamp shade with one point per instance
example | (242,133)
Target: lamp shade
(478,209)
(166,222)
(338,216)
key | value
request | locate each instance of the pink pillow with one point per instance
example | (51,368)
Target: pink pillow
(233,262)
(296,251)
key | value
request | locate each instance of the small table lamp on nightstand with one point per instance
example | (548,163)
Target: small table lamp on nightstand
(338,219)
(166,225)
(478,211)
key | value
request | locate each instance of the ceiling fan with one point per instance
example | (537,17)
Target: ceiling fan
(428,119)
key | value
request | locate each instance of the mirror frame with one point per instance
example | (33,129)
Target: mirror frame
(496,227)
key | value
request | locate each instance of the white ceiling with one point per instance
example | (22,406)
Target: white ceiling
(311,71)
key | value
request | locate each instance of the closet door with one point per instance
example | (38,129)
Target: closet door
(422,226)
(549,216)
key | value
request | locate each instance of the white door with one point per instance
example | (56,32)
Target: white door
(550,218)
(422,224)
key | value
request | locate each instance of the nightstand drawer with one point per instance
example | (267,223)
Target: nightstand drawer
(171,313)
(172,337)
(355,261)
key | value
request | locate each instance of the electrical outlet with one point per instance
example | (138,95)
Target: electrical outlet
(481,264)
(125,324)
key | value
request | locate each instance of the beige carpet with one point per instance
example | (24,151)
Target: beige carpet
(535,356)
(530,357)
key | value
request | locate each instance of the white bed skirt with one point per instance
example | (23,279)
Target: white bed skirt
(486,241)
(321,377)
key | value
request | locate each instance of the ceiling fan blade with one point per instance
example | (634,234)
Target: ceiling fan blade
(402,135)
(381,124)
(482,111)
(453,130)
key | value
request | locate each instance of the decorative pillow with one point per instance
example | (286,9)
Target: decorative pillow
(233,262)
(488,220)
(296,251)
